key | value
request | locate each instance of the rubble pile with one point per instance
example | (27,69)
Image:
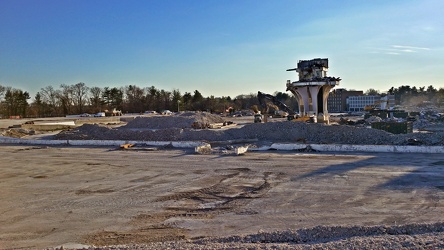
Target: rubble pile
(98,132)
(412,236)
(178,128)
(327,233)
(183,120)
(421,124)
(373,119)
(17,132)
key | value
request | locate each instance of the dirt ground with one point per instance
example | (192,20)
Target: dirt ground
(103,196)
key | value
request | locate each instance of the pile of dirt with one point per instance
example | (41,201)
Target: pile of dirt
(178,128)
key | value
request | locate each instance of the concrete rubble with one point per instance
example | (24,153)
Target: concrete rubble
(178,128)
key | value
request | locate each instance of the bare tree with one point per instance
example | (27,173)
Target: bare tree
(95,98)
(372,92)
(49,97)
(65,96)
(79,96)
(134,98)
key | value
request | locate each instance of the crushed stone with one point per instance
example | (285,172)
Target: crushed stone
(410,236)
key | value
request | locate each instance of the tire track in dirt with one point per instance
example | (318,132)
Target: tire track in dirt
(229,192)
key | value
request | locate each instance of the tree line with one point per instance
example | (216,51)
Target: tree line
(79,98)
(406,95)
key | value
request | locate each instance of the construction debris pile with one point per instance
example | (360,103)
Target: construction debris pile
(17,132)
(183,120)
(179,128)
(413,236)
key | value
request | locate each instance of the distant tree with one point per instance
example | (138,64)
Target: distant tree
(372,92)
(2,92)
(50,99)
(95,99)
(245,101)
(197,97)
(65,96)
(197,100)
(177,98)
(135,97)
(431,89)
(187,100)
(79,93)
(211,104)
(391,91)
(112,98)
(150,100)
(226,103)
(16,102)
(165,100)
(281,96)
(440,97)
(38,105)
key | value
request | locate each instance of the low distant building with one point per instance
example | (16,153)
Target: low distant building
(358,103)
(337,100)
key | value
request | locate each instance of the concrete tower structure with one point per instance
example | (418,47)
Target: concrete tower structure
(313,87)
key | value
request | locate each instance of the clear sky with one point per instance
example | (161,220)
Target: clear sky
(219,47)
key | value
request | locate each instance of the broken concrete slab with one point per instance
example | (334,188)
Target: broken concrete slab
(241,150)
(203,149)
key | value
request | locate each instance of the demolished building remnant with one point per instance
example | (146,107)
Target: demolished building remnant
(313,87)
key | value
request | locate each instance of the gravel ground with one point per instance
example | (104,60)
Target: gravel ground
(178,128)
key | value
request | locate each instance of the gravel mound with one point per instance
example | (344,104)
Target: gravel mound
(178,128)
(412,236)
(183,120)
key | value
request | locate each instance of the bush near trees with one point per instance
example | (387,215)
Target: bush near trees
(80,98)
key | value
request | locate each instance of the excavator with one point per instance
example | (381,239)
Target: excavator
(267,100)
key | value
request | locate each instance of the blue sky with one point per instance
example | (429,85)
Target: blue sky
(221,48)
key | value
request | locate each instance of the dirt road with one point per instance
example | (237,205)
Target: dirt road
(103,196)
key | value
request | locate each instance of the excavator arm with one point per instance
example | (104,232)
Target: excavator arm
(263,98)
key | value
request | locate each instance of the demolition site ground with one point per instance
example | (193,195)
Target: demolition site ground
(159,198)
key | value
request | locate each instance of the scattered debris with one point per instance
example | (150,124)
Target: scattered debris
(413,142)
(126,146)
(204,149)
(307,149)
(17,132)
(240,150)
